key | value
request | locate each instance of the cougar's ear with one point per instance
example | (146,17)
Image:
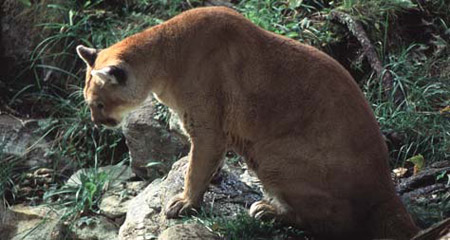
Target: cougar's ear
(110,75)
(88,55)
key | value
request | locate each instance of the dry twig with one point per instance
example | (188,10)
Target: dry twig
(369,52)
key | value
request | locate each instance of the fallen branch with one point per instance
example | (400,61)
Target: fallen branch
(369,52)
(424,178)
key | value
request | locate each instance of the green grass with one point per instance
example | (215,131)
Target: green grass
(6,178)
(426,212)
(10,176)
(243,227)
(418,119)
(81,199)
(294,19)
(82,195)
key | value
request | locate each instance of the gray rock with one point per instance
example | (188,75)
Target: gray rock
(18,138)
(150,140)
(19,35)
(145,217)
(249,178)
(187,232)
(94,228)
(41,222)
(27,223)
(114,203)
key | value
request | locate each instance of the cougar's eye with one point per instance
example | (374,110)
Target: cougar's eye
(100,105)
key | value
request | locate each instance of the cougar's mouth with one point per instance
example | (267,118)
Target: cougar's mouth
(111,122)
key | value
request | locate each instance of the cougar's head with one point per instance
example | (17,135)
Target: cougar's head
(111,89)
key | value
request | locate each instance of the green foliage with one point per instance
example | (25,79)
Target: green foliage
(10,175)
(294,19)
(243,227)
(426,212)
(26,3)
(425,129)
(82,197)
(6,176)
(381,6)
(162,113)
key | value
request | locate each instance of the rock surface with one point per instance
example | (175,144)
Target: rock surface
(96,227)
(19,34)
(18,139)
(145,218)
(187,232)
(42,222)
(149,140)
(28,223)
(15,38)
(114,203)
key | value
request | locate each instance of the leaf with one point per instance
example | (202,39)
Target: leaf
(418,161)
(152,164)
(26,2)
(295,3)
(91,188)
(445,110)
(400,172)
(71,14)
(441,175)
(292,34)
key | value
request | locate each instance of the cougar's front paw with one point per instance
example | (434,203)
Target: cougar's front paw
(179,206)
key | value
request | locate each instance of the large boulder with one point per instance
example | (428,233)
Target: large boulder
(151,141)
(145,217)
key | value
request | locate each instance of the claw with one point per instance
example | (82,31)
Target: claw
(262,210)
(179,206)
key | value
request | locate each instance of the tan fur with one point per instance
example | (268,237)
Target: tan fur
(293,112)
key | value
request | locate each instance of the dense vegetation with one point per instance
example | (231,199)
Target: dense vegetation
(411,38)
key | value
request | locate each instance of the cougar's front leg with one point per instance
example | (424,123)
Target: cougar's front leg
(207,151)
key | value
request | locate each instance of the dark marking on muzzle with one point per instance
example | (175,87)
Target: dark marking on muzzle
(109,122)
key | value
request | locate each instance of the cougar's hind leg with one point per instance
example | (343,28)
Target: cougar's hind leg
(299,183)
